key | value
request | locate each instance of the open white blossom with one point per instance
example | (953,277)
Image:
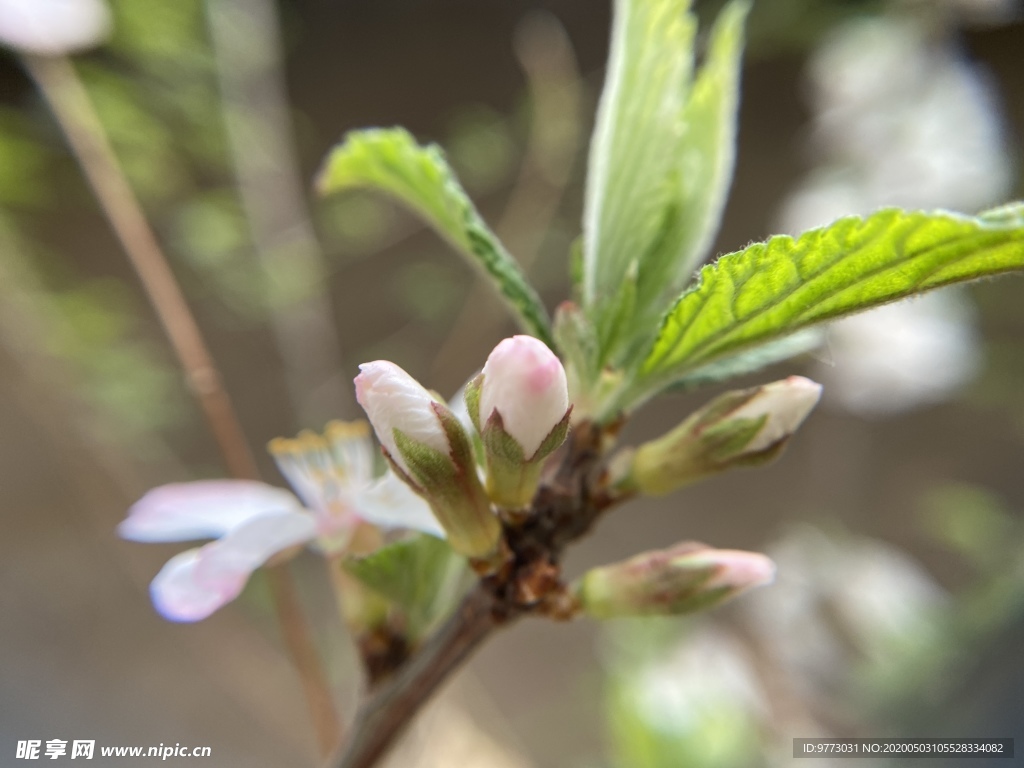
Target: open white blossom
(252,521)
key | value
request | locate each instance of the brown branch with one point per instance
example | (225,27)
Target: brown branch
(564,510)
(67,98)
(76,116)
(388,711)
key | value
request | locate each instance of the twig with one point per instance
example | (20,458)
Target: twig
(393,706)
(63,91)
(70,104)
(563,511)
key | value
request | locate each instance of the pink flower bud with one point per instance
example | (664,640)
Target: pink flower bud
(687,577)
(786,403)
(740,428)
(525,383)
(393,400)
(433,454)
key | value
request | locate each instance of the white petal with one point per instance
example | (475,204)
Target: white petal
(390,503)
(203,509)
(786,403)
(178,597)
(196,583)
(53,27)
(394,399)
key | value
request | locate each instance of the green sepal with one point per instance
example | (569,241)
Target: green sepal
(421,575)
(554,438)
(680,589)
(458,440)
(512,477)
(706,443)
(500,445)
(450,485)
(727,440)
(429,467)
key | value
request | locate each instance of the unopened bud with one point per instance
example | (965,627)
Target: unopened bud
(429,449)
(685,578)
(741,428)
(520,406)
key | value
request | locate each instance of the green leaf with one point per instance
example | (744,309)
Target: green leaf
(421,575)
(577,342)
(391,161)
(661,161)
(770,290)
(707,157)
(636,133)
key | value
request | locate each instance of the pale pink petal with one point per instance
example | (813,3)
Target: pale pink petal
(525,382)
(390,503)
(203,509)
(739,570)
(178,597)
(196,583)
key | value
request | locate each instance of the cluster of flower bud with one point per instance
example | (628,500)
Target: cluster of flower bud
(519,405)
(519,410)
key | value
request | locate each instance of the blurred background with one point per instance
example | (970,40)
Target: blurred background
(895,516)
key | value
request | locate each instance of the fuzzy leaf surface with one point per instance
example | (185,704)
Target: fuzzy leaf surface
(661,162)
(772,289)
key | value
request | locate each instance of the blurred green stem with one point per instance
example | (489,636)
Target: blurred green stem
(67,98)
(247,52)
